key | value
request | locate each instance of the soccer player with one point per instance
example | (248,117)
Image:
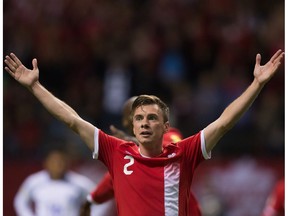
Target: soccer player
(104,190)
(149,179)
(55,190)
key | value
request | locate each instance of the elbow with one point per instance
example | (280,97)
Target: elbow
(224,128)
(226,124)
(72,123)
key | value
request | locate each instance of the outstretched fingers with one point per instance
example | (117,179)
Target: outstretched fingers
(13,63)
(9,71)
(10,63)
(15,59)
(276,58)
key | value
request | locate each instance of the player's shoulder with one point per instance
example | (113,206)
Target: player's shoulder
(39,174)
(37,177)
(193,138)
(105,137)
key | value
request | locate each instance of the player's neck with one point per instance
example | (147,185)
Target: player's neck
(148,153)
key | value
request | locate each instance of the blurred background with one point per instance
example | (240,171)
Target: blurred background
(197,55)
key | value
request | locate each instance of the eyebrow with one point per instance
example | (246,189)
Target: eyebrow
(148,115)
(137,115)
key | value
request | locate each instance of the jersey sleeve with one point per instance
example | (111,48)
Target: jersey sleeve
(104,190)
(194,150)
(104,147)
(206,155)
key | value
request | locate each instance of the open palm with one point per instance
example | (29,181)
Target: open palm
(263,73)
(19,72)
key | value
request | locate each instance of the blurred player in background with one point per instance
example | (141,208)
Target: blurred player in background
(275,204)
(55,190)
(148,178)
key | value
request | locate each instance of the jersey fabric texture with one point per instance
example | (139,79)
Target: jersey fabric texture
(52,197)
(151,186)
(104,190)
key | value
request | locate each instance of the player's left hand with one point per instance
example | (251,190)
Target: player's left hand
(263,73)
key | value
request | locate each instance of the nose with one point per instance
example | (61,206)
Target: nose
(144,124)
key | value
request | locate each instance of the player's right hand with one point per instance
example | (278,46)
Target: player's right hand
(19,72)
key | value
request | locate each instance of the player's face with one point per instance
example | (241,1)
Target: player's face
(148,124)
(56,164)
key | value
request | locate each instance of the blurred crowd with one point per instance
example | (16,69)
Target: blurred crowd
(197,55)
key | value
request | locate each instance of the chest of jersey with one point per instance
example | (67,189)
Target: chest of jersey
(144,179)
(150,186)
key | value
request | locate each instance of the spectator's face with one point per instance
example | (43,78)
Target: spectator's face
(56,164)
(148,124)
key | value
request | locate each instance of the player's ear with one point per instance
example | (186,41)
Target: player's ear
(133,129)
(166,126)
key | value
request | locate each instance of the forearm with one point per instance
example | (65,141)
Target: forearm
(61,111)
(231,115)
(238,107)
(53,105)
(68,107)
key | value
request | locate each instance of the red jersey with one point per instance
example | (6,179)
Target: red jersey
(151,186)
(194,208)
(275,203)
(104,190)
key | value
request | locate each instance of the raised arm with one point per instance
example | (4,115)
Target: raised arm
(59,109)
(231,115)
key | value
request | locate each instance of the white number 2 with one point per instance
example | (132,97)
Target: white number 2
(130,163)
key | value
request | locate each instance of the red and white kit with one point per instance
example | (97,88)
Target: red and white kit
(151,186)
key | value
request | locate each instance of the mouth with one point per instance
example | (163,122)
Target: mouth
(145,133)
